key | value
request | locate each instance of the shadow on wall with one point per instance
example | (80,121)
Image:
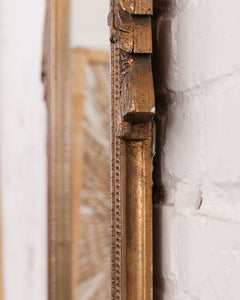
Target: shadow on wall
(164,10)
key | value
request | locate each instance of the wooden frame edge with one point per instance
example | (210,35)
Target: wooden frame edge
(56,74)
(132,109)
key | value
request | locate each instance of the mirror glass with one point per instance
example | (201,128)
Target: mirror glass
(91,106)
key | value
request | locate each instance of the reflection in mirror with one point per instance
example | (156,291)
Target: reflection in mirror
(78,159)
(89,28)
(91,150)
(91,174)
(78,211)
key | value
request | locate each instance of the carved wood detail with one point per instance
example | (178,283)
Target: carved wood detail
(132,109)
(138,7)
(131,32)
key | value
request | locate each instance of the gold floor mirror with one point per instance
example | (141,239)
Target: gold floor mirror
(77,95)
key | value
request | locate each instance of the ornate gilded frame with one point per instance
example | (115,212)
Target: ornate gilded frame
(133,107)
(132,111)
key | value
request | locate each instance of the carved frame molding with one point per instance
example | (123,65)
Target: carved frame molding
(132,109)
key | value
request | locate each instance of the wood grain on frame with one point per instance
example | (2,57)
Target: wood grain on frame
(57,79)
(132,113)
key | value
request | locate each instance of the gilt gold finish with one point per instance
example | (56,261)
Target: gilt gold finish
(132,113)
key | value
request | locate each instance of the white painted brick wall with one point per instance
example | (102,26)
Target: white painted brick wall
(201,161)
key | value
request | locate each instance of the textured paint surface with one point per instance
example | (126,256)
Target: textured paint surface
(200,79)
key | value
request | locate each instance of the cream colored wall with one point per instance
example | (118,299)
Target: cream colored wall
(23,152)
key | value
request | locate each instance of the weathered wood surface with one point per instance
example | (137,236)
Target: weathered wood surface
(131,32)
(137,7)
(132,113)
(57,79)
(137,94)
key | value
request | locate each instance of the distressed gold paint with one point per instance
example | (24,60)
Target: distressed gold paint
(132,112)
